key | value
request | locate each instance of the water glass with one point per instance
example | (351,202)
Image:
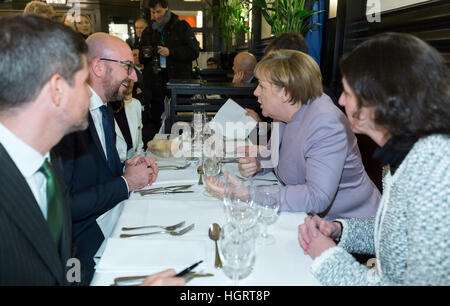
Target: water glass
(237,252)
(267,199)
(240,209)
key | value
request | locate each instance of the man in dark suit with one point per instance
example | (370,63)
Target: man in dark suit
(35,222)
(92,169)
(35,216)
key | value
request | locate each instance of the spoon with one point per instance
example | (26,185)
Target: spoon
(214,234)
(200,171)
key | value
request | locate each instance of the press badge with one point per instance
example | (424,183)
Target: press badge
(162,61)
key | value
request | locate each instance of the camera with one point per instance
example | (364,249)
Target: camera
(151,53)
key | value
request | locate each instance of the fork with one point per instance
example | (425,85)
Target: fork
(173,233)
(167,228)
(173,167)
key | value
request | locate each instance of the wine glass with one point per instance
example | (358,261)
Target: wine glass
(240,209)
(237,251)
(211,168)
(268,200)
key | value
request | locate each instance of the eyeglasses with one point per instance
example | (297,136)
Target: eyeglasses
(130,65)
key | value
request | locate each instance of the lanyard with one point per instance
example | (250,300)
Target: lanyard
(162,38)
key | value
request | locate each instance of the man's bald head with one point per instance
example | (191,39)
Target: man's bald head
(110,60)
(105,45)
(245,61)
(243,65)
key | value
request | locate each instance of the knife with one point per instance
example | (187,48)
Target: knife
(160,189)
(167,192)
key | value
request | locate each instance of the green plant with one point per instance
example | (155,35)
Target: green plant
(287,15)
(230,15)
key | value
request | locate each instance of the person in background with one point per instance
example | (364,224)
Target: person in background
(211,63)
(68,21)
(144,96)
(319,163)
(243,65)
(287,41)
(128,126)
(396,90)
(83,25)
(139,26)
(38,8)
(168,47)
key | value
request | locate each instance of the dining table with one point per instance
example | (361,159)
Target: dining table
(281,264)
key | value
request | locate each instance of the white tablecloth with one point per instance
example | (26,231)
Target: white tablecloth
(282,263)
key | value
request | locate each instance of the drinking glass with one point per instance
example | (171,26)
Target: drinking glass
(240,209)
(211,168)
(268,200)
(237,252)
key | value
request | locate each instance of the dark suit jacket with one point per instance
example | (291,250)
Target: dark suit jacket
(28,254)
(94,189)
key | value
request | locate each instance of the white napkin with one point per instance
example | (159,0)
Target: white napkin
(132,254)
(107,222)
(235,124)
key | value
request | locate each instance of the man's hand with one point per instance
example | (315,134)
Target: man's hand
(163,51)
(137,175)
(164,278)
(238,77)
(151,162)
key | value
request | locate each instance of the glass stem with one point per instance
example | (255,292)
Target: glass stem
(264,231)
(235,277)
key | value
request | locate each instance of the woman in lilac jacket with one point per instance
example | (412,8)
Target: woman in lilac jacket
(315,154)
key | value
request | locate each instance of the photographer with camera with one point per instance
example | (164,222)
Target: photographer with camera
(168,47)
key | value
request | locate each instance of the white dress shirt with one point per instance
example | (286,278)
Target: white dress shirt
(28,161)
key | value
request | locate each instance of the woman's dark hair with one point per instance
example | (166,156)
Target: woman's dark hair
(288,41)
(404,80)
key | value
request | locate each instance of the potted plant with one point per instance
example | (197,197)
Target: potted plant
(231,17)
(287,15)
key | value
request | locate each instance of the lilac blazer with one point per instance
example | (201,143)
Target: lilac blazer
(320,165)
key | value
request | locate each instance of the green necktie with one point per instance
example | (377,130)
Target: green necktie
(54,203)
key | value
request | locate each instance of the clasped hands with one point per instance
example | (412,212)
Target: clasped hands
(317,235)
(140,172)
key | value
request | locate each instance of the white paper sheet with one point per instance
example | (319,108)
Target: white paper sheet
(233,122)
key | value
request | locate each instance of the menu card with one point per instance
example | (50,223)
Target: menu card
(232,122)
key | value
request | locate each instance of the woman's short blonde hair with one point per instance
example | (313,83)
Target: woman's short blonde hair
(295,71)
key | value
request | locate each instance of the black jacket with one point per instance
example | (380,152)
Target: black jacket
(179,38)
(28,254)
